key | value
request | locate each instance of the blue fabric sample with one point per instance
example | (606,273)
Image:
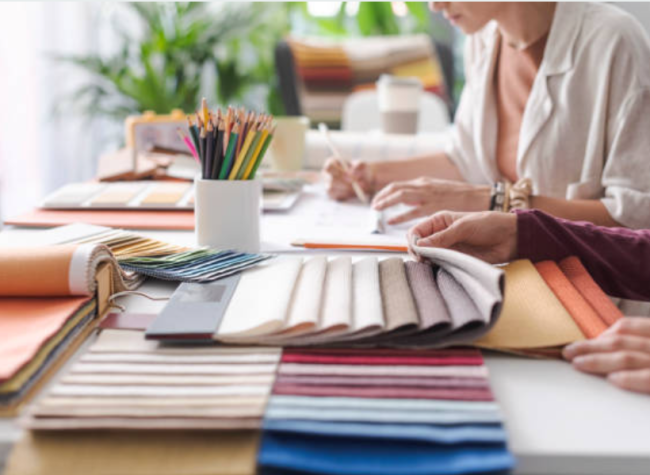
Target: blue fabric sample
(489,434)
(354,456)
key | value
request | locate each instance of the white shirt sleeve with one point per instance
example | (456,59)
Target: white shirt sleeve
(626,176)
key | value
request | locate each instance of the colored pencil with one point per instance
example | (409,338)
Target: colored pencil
(262,153)
(230,153)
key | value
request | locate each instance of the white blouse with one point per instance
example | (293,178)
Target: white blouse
(585,132)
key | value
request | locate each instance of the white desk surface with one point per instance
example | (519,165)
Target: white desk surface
(559,421)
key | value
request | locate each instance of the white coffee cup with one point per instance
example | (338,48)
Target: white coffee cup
(227,214)
(399,104)
(287,149)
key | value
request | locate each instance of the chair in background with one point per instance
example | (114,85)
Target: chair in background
(316,76)
(361,113)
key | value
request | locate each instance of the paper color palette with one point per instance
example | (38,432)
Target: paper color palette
(319,421)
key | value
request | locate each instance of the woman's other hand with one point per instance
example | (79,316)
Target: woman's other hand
(621,353)
(490,236)
(338,178)
(430,195)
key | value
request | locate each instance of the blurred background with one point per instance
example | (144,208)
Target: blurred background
(71,72)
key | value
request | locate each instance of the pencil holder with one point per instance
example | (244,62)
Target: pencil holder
(227,214)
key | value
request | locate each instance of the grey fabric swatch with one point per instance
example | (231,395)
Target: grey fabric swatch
(432,309)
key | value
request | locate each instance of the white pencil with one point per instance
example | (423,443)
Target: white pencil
(355,185)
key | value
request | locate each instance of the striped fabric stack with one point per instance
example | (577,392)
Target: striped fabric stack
(328,71)
(342,411)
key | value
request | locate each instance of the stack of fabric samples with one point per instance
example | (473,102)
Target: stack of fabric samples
(158,259)
(341,411)
(126,382)
(37,336)
(369,302)
(329,71)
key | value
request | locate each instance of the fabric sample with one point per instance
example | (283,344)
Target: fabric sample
(393,381)
(360,370)
(261,302)
(462,309)
(350,456)
(582,313)
(432,309)
(483,433)
(468,394)
(336,311)
(532,316)
(391,416)
(382,360)
(398,304)
(592,293)
(307,297)
(135,453)
(380,404)
(366,296)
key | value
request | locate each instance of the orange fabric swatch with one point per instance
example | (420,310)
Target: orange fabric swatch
(27,323)
(127,219)
(590,290)
(582,313)
(42,271)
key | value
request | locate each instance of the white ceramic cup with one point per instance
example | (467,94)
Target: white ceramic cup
(227,214)
(287,150)
(399,104)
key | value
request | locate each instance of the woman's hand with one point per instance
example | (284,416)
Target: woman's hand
(338,178)
(429,195)
(490,236)
(621,353)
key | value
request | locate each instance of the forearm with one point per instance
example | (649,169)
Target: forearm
(575,210)
(435,166)
(617,258)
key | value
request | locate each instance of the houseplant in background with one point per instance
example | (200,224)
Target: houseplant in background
(181,51)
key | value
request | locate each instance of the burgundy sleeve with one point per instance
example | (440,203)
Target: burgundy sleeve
(618,259)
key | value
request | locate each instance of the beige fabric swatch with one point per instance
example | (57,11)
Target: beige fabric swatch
(260,304)
(366,295)
(135,453)
(150,412)
(79,390)
(306,302)
(532,316)
(189,357)
(169,380)
(219,401)
(195,369)
(121,423)
(398,304)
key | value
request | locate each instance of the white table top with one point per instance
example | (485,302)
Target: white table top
(559,421)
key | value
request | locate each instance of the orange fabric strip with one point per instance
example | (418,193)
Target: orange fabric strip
(35,271)
(582,313)
(590,290)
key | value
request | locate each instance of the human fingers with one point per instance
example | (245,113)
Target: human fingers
(605,363)
(407,195)
(639,326)
(389,190)
(334,166)
(637,381)
(417,212)
(447,238)
(607,344)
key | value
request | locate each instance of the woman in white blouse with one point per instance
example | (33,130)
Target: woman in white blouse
(555,93)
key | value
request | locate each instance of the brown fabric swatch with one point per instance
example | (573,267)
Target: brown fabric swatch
(398,304)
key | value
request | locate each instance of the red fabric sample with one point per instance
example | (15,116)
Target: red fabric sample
(463,394)
(582,313)
(589,289)
(379,381)
(383,360)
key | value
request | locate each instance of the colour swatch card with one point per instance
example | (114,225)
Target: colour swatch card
(382,420)
(126,382)
(167,195)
